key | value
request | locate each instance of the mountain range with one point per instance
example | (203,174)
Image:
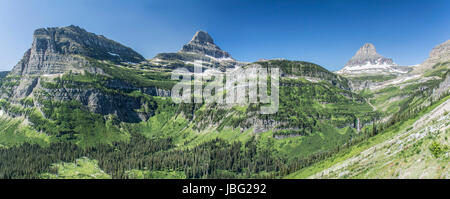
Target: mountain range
(78,100)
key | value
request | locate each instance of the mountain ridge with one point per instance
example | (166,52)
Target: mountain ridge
(57,45)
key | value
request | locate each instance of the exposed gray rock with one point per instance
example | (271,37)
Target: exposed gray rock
(153,91)
(203,43)
(443,89)
(439,54)
(126,87)
(368,54)
(200,48)
(368,61)
(361,85)
(55,50)
(124,107)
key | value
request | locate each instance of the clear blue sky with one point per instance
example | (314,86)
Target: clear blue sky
(324,32)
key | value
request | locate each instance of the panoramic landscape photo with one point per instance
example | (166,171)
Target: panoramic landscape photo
(224,89)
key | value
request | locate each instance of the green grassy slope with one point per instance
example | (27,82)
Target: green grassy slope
(83,168)
(402,151)
(406,132)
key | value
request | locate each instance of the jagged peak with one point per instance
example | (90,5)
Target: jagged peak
(368,54)
(202,37)
(367,49)
(202,43)
(367,60)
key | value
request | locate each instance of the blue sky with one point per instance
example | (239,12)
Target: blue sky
(324,32)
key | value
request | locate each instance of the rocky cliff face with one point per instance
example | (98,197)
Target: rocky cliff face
(368,54)
(57,50)
(60,50)
(439,54)
(203,43)
(200,48)
(368,61)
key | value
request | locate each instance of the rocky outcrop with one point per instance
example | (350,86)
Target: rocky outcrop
(443,88)
(439,54)
(361,85)
(124,107)
(368,61)
(368,54)
(200,48)
(203,43)
(58,50)
(126,87)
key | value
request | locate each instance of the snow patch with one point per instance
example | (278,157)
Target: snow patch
(113,54)
(222,59)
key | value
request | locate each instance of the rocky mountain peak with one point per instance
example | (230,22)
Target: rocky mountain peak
(439,54)
(75,40)
(368,61)
(441,51)
(367,54)
(368,50)
(202,37)
(53,50)
(202,43)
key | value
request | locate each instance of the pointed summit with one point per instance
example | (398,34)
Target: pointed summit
(202,43)
(368,61)
(202,37)
(367,50)
(367,54)
(200,48)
